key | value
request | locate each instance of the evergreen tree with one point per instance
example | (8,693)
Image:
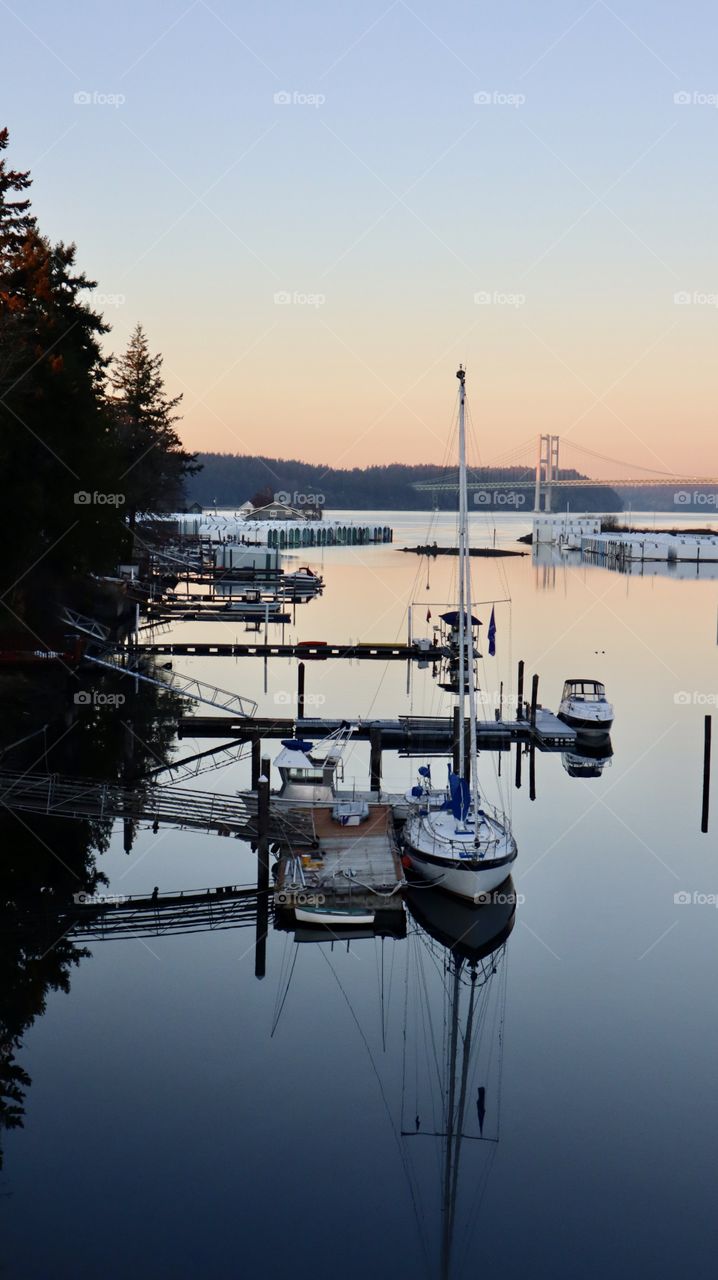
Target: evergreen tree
(154,464)
(56,445)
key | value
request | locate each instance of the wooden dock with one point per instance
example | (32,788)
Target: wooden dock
(307,651)
(352,868)
(412,734)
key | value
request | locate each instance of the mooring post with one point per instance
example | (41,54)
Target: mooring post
(300,691)
(260,953)
(518,766)
(532,772)
(375,758)
(256,761)
(534,700)
(455,740)
(520,691)
(707,730)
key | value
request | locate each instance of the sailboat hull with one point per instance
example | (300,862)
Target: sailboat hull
(465,881)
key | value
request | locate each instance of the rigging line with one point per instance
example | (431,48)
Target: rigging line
(286,993)
(427,1005)
(397,1138)
(405,1041)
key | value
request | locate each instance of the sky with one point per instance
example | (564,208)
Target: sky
(317,210)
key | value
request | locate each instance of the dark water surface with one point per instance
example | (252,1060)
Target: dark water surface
(186,1119)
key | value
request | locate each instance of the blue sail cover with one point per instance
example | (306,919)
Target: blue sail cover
(460,796)
(297,744)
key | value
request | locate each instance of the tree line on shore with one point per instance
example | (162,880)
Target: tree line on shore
(228,480)
(88,441)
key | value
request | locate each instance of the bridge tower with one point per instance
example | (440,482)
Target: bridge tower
(546,471)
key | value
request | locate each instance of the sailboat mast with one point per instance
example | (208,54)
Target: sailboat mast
(467,648)
(463,520)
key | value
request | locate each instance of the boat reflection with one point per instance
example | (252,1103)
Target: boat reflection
(457,1092)
(590,760)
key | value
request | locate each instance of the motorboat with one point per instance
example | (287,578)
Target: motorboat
(585,707)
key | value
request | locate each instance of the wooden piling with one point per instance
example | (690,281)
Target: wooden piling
(534,699)
(260,952)
(518,766)
(256,761)
(375,758)
(520,692)
(300,690)
(532,772)
(707,730)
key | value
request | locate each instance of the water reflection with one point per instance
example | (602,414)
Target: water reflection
(453,1084)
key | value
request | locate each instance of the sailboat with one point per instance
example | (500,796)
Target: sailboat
(452,837)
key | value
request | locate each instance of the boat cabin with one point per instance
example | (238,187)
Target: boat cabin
(305,777)
(584,691)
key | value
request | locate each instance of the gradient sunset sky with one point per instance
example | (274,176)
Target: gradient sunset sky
(576,200)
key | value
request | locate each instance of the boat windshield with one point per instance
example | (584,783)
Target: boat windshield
(305,775)
(584,690)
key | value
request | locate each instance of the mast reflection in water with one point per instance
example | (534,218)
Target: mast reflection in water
(452,1071)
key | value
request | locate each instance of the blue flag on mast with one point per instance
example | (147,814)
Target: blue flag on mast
(492,634)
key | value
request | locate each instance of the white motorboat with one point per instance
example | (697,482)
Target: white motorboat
(452,837)
(585,707)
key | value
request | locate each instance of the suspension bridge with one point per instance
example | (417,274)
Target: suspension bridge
(544,475)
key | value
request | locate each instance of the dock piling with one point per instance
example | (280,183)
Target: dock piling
(707,731)
(301,672)
(520,692)
(375,758)
(534,699)
(260,954)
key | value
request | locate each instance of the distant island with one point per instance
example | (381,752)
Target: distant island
(230,480)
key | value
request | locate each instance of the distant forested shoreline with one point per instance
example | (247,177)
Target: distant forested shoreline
(228,480)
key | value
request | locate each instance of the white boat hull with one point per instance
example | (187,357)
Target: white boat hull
(463,882)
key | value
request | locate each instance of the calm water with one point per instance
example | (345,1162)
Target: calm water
(185,1119)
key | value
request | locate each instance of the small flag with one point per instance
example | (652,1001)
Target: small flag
(492,635)
(428,615)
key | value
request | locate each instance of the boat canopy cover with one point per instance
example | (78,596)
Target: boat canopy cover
(453,617)
(297,744)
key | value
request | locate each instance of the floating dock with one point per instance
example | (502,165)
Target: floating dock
(354,871)
(408,733)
